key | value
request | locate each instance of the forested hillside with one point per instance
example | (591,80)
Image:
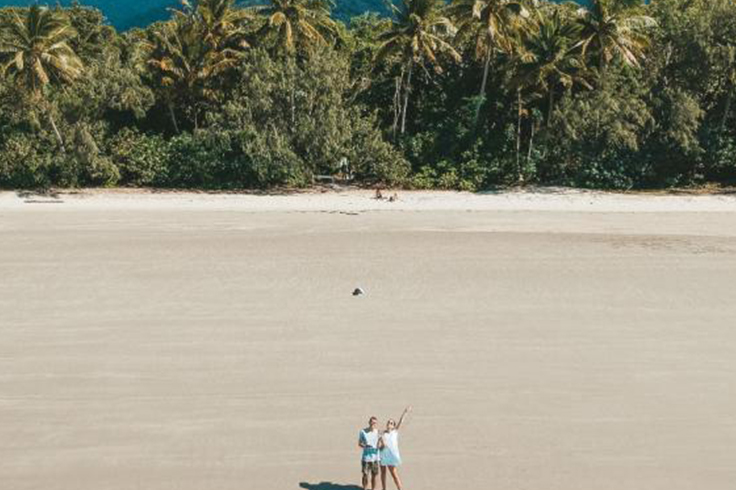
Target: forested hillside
(467,95)
(139,13)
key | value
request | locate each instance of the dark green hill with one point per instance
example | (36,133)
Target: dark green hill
(132,13)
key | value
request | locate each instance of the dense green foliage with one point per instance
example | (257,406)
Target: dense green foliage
(467,95)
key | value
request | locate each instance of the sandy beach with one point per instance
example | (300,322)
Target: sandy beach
(555,340)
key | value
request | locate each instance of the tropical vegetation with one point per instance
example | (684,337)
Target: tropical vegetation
(466,94)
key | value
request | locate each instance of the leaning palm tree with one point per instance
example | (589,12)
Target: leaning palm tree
(34,53)
(491,25)
(550,58)
(417,36)
(613,29)
(293,26)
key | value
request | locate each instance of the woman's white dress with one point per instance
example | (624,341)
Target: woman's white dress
(390,452)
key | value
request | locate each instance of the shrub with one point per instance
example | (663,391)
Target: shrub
(140,158)
(424,178)
(84,163)
(372,158)
(25,161)
(192,162)
(720,157)
(266,160)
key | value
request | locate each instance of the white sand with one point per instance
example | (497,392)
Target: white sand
(546,199)
(557,341)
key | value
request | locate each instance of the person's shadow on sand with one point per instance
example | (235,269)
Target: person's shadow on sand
(325,485)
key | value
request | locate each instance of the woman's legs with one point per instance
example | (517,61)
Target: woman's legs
(383,477)
(395,475)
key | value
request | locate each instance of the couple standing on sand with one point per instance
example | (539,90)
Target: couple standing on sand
(381,451)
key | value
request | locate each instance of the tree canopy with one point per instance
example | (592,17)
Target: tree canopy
(466,94)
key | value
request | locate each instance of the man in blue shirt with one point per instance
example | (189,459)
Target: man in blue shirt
(369,461)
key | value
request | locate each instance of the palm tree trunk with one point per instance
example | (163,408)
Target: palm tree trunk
(483,83)
(397,102)
(407,91)
(531,143)
(46,106)
(292,103)
(551,106)
(56,131)
(518,133)
(727,110)
(173,117)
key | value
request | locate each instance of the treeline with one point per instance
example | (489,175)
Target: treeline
(466,95)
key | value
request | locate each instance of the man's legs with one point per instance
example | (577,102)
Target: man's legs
(371,468)
(364,470)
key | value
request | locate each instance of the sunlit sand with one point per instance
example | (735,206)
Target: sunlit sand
(212,342)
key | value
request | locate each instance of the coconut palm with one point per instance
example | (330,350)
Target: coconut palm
(416,37)
(526,92)
(222,24)
(550,58)
(184,63)
(613,29)
(297,25)
(34,52)
(491,25)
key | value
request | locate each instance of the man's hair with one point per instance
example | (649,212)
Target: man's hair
(372,419)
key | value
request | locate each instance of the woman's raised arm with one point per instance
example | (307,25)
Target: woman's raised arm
(403,416)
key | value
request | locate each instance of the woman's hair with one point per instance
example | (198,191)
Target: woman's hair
(390,422)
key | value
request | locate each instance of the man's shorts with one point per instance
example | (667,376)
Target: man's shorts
(369,467)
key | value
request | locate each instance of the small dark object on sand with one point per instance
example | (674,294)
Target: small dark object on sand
(358,291)
(378,195)
(394,197)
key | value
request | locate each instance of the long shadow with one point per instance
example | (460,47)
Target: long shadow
(326,485)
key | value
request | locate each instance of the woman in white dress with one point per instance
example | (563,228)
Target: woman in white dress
(388,445)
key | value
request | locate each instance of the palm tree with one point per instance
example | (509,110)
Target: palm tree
(614,29)
(297,25)
(34,52)
(185,55)
(489,23)
(417,36)
(526,92)
(222,24)
(724,50)
(550,58)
